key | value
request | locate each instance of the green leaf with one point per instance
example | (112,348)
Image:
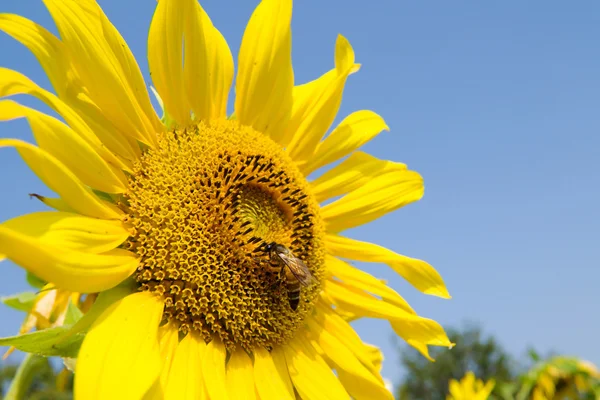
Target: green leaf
(506,390)
(21,301)
(47,342)
(34,281)
(533,355)
(73,314)
(24,377)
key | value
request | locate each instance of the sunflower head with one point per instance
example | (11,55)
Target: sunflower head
(219,266)
(204,205)
(562,377)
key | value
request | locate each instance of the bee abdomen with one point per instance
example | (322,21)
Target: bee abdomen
(294,303)
(293,289)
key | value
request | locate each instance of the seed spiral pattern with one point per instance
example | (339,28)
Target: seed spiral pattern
(203,205)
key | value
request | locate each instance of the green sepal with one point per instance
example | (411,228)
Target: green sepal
(34,281)
(168,121)
(23,301)
(104,196)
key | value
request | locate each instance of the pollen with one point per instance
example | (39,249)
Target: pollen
(204,204)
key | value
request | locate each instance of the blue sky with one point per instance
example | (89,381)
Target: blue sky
(494,103)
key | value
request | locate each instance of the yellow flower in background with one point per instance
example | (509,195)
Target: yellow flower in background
(562,378)
(470,388)
(220,274)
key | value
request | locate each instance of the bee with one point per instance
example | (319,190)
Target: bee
(294,271)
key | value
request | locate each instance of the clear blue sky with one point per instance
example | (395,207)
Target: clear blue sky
(497,104)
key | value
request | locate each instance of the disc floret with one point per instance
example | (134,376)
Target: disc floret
(203,204)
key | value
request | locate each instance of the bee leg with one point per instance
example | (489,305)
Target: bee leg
(277,283)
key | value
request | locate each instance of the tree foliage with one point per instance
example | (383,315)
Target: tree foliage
(426,380)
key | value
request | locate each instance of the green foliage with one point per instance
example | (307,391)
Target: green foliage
(426,380)
(34,379)
(47,342)
(65,340)
(73,314)
(563,372)
(20,301)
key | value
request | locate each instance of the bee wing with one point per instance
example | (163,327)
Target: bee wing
(298,268)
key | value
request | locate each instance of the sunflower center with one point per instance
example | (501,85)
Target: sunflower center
(209,205)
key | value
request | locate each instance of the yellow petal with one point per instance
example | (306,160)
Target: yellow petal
(356,378)
(52,55)
(271,375)
(73,270)
(208,65)
(362,280)
(265,78)
(12,82)
(62,181)
(376,356)
(353,132)
(486,391)
(168,340)
(240,376)
(63,143)
(312,377)
(165,57)
(184,381)
(332,322)
(70,231)
(83,28)
(455,390)
(316,104)
(213,370)
(421,348)
(122,143)
(57,203)
(102,302)
(350,174)
(410,327)
(49,51)
(119,358)
(129,67)
(370,307)
(418,273)
(381,195)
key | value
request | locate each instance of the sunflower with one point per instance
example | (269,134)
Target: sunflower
(220,274)
(470,388)
(561,377)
